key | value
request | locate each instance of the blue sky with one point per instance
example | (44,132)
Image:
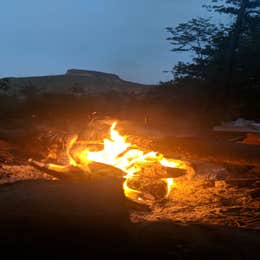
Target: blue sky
(126,37)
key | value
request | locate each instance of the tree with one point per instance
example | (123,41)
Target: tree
(243,11)
(225,61)
(199,37)
(217,49)
(233,7)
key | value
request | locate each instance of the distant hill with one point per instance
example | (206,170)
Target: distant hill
(78,82)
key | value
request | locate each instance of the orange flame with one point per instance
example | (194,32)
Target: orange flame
(121,154)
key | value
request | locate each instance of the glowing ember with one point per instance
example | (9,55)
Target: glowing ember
(123,155)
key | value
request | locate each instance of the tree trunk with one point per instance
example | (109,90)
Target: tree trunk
(233,45)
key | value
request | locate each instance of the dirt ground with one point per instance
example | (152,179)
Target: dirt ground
(63,219)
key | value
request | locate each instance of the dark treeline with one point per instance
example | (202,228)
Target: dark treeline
(222,81)
(68,110)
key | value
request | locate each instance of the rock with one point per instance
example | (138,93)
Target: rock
(89,73)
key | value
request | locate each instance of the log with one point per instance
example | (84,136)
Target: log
(174,172)
(191,148)
(242,182)
(96,169)
(70,172)
(205,149)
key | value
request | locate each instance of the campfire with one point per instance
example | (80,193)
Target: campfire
(148,175)
(223,188)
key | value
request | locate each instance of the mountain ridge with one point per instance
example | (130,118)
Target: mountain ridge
(74,81)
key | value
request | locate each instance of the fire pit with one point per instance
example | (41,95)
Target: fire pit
(148,176)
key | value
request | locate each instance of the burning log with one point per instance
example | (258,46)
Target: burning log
(70,172)
(151,184)
(121,158)
(208,150)
(67,172)
(80,159)
(175,172)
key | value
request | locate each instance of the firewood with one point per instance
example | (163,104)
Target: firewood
(95,170)
(70,172)
(241,182)
(208,150)
(65,173)
(174,172)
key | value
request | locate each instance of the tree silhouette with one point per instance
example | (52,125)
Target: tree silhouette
(225,58)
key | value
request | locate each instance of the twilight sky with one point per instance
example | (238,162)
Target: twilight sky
(126,37)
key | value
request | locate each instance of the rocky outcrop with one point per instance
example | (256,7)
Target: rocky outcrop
(89,73)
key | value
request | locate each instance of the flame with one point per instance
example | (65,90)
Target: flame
(123,155)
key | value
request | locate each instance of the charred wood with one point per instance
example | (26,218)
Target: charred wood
(70,172)
(208,150)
